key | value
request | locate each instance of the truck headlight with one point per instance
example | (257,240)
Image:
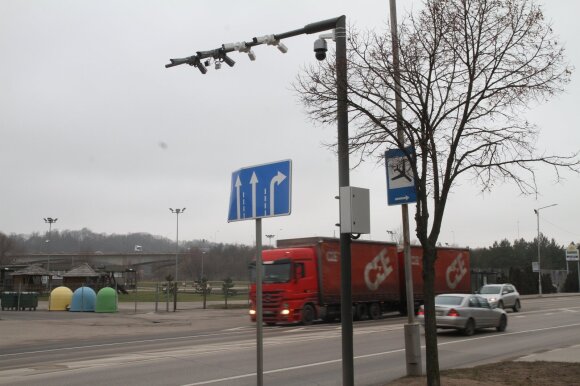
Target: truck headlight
(285,312)
(252,312)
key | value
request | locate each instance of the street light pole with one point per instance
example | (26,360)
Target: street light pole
(412,329)
(537,212)
(270,238)
(177,212)
(49,221)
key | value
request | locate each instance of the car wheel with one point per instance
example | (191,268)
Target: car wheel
(308,315)
(502,324)
(469,328)
(517,307)
(500,304)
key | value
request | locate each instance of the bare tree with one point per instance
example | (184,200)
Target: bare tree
(469,69)
(7,244)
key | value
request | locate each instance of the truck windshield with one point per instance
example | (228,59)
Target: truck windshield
(272,273)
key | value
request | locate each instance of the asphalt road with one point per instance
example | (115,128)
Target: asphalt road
(221,354)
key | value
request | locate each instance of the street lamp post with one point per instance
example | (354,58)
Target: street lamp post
(177,212)
(201,59)
(537,212)
(202,258)
(411,328)
(49,221)
(270,238)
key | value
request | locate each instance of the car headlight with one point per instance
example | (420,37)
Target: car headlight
(492,299)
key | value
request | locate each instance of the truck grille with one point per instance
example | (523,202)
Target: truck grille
(271,302)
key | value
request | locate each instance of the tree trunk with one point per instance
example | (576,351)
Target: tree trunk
(431,350)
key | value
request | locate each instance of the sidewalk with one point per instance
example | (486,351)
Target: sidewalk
(43,326)
(566,354)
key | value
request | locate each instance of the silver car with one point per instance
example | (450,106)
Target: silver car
(501,296)
(466,313)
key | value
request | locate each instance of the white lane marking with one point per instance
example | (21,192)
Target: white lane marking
(237,328)
(294,330)
(221,333)
(548,310)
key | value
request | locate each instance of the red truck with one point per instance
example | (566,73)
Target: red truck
(301,279)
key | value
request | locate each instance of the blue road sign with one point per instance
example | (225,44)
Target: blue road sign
(400,180)
(261,191)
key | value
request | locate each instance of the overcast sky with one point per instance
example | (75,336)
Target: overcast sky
(96,132)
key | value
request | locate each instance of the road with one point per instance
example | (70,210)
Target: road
(294,355)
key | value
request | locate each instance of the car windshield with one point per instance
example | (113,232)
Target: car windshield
(489,289)
(448,300)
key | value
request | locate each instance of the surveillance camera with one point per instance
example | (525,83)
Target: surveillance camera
(320,49)
(200,67)
(283,49)
(229,61)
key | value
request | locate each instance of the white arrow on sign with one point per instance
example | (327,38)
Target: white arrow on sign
(276,180)
(237,185)
(254,182)
(402,198)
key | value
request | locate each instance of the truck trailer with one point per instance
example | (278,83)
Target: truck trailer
(301,279)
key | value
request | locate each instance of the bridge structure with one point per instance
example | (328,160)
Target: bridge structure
(62,262)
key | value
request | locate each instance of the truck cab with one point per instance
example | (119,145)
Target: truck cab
(289,286)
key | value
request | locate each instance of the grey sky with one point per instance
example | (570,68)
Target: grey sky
(95,131)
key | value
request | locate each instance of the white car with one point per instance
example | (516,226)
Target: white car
(466,313)
(501,296)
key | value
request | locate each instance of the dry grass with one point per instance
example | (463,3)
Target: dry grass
(505,374)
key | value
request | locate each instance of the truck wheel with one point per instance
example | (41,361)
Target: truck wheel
(308,315)
(361,312)
(375,311)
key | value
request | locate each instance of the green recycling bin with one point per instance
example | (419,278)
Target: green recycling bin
(9,300)
(28,300)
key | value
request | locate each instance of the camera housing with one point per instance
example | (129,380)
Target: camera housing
(320,49)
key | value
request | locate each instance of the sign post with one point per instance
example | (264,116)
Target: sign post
(257,192)
(401,191)
(572,254)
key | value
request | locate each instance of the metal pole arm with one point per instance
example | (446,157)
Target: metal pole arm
(217,53)
(191,60)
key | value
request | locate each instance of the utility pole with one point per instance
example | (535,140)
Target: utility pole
(201,59)
(537,212)
(412,329)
